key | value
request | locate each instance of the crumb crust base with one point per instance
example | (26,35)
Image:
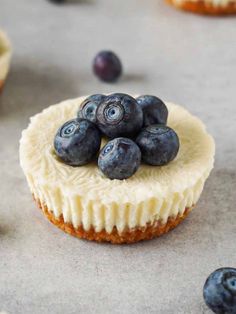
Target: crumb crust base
(128,236)
(202,7)
(1,85)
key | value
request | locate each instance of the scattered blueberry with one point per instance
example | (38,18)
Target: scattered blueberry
(159,144)
(119,115)
(219,291)
(154,110)
(77,142)
(119,159)
(89,106)
(107,66)
(57,1)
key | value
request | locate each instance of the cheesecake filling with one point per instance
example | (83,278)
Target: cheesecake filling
(84,197)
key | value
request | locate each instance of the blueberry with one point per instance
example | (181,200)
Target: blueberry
(57,1)
(119,159)
(159,144)
(219,291)
(154,110)
(89,106)
(77,142)
(107,66)
(119,115)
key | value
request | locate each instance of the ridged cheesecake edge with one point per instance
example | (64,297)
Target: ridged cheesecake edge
(150,231)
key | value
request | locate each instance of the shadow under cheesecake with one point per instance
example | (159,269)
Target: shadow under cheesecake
(206,224)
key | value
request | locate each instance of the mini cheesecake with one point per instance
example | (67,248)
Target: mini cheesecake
(5,57)
(213,7)
(85,203)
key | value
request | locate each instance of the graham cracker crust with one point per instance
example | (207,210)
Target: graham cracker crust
(128,236)
(1,85)
(201,7)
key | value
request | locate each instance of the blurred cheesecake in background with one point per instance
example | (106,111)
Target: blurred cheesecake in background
(213,7)
(5,57)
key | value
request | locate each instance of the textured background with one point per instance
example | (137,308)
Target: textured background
(180,57)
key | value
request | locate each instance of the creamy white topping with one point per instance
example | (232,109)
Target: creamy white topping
(84,196)
(5,55)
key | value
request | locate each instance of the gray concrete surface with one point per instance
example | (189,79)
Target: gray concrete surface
(180,57)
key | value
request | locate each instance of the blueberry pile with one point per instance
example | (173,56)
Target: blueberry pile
(136,130)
